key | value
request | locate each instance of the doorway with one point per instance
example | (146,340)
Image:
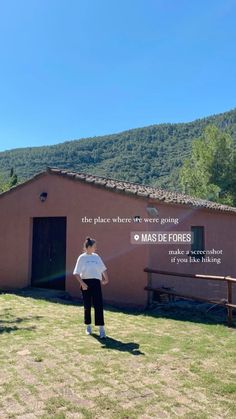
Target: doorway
(49,252)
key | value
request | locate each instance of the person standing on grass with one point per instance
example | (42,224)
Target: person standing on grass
(91,273)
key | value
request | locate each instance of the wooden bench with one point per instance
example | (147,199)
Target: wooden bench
(168,291)
(173,293)
(228,302)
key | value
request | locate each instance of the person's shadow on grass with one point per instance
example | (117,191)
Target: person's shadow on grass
(111,343)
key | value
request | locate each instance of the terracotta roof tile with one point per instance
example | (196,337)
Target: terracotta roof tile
(142,190)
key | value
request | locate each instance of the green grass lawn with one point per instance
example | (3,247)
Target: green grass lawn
(154,364)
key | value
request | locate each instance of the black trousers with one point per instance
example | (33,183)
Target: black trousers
(93,294)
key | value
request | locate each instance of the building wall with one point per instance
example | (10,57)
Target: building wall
(125,261)
(74,200)
(220,229)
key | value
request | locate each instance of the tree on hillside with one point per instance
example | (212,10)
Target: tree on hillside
(13,178)
(3,184)
(6,184)
(210,172)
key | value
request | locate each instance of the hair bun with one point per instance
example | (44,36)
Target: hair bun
(89,242)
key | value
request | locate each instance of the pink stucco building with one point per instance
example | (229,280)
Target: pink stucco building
(44,221)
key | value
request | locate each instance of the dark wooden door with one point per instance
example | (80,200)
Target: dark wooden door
(49,252)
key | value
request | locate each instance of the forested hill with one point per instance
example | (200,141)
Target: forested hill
(150,155)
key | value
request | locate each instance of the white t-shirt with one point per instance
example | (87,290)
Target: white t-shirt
(89,266)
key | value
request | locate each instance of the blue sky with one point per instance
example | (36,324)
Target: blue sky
(72,69)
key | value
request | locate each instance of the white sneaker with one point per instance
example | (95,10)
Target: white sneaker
(102,332)
(88,329)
